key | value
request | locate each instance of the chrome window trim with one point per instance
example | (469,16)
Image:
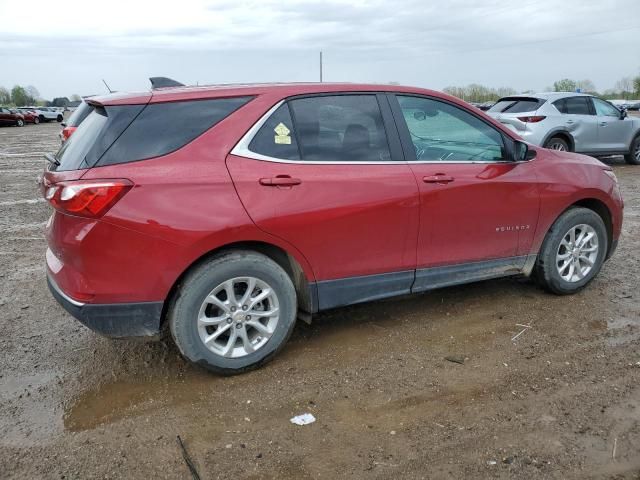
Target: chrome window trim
(241,149)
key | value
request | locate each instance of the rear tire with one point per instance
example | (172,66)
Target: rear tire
(559,250)
(220,331)
(557,143)
(41,117)
(633,157)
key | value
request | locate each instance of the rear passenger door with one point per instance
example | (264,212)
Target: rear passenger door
(326,173)
(579,119)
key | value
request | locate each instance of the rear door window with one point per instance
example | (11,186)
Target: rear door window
(517,105)
(340,128)
(574,106)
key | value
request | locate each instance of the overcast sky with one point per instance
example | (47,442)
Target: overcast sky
(67,47)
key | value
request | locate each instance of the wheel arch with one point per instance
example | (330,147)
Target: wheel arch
(564,134)
(305,289)
(603,212)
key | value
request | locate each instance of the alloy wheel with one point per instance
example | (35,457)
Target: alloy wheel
(577,253)
(238,317)
(557,146)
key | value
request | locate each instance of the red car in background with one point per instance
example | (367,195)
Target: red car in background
(29,116)
(9,116)
(227,212)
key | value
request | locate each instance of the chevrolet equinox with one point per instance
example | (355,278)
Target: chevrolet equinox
(224,213)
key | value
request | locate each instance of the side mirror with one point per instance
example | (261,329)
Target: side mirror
(522,152)
(623,113)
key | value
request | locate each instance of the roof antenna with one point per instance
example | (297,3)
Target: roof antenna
(105,84)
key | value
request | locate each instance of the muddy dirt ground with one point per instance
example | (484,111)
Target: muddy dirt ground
(560,401)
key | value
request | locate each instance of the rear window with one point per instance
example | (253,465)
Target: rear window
(127,133)
(94,136)
(162,128)
(79,114)
(517,105)
(573,105)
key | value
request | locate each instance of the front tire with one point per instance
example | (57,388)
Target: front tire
(36,120)
(59,118)
(234,312)
(20,122)
(633,157)
(557,143)
(572,252)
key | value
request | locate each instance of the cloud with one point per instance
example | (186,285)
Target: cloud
(432,43)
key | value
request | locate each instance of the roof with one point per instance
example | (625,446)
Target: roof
(550,95)
(233,90)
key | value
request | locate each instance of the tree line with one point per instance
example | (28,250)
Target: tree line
(626,88)
(20,96)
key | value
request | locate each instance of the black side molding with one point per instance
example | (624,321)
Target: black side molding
(164,82)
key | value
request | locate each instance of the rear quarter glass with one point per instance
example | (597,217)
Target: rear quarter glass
(162,128)
(126,133)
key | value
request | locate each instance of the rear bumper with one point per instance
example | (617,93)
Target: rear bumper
(115,319)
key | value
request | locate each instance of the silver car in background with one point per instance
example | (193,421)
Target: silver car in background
(571,121)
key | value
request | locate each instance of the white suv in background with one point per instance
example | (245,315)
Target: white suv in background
(571,121)
(46,114)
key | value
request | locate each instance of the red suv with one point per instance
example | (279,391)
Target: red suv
(227,212)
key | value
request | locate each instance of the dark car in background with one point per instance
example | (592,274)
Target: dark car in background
(9,118)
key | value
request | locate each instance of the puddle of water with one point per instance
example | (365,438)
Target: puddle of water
(111,402)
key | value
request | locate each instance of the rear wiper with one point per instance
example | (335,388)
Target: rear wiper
(51,159)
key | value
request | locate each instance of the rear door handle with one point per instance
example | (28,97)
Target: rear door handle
(438,178)
(280,181)
(603,124)
(570,122)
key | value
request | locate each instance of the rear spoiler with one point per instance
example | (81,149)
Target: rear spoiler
(164,82)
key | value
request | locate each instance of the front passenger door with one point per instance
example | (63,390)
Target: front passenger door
(478,209)
(614,133)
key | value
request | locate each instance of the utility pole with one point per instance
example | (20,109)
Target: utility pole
(320,66)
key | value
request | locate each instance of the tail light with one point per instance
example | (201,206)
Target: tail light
(532,119)
(90,198)
(67,131)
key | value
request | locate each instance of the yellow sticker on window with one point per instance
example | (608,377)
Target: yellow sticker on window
(282,130)
(282,134)
(282,139)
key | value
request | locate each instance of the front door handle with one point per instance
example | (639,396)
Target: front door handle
(570,122)
(280,181)
(438,178)
(603,124)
